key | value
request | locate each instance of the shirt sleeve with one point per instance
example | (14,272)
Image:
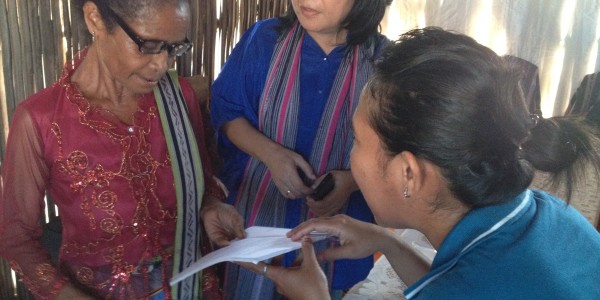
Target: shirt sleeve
(236,91)
(24,178)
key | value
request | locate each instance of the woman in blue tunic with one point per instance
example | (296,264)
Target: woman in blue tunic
(282,107)
(444,144)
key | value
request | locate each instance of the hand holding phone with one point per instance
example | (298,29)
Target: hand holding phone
(324,187)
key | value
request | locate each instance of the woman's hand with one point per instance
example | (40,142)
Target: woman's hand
(305,282)
(285,166)
(335,200)
(357,239)
(222,223)
(283,163)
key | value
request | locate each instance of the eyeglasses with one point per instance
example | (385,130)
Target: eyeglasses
(152,46)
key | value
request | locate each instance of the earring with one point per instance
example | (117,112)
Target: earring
(406,195)
(93,33)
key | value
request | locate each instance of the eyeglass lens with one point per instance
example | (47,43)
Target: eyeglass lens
(152,46)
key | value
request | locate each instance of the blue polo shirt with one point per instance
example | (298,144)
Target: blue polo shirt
(534,246)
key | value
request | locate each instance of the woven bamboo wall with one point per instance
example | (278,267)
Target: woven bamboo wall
(38,36)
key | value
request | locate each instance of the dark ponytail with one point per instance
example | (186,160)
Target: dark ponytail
(456,103)
(563,147)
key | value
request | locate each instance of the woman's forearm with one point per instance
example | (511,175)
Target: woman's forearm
(248,139)
(408,264)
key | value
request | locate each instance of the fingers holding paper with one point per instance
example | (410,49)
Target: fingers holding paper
(309,273)
(222,223)
(357,239)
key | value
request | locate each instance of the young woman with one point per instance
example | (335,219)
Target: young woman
(444,144)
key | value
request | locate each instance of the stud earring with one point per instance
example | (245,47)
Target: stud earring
(93,36)
(406,195)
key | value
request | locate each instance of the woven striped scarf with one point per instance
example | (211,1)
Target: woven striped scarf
(188,178)
(258,198)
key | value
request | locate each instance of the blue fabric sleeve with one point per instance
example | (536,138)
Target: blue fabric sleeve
(236,91)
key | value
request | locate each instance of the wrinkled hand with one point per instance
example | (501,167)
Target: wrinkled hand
(305,282)
(222,223)
(285,166)
(335,200)
(357,239)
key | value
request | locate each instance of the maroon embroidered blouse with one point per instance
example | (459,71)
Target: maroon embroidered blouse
(113,186)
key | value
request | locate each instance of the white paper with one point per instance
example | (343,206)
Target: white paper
(261,243)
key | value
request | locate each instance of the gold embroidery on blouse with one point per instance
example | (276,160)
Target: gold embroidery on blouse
(106,200)
(85,275)
(91,182)
(111,225)
(45,272)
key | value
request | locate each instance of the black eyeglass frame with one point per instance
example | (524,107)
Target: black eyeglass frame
(174,49)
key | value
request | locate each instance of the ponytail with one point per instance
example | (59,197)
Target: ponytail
(563,147)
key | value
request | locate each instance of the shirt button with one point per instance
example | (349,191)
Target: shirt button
(130,129)
(325,58)
(320,92)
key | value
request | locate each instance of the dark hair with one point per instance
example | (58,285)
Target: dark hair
(454,102)
(586,100)
(362,21)
(128,10)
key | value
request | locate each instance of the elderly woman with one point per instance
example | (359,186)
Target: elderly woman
(118,144)
(282,106)
(445,145)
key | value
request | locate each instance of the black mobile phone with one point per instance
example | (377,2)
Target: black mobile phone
(324,187)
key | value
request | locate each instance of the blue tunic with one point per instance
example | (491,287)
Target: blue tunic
(237,93)
(532,247)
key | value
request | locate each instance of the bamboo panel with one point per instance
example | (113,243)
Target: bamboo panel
(14,61)
(230,21)
(68,31)
(7,289)
(208,34)
(25,51)
(237,16)
(203,36)
(57,25)
(46,36)
(31,53)
(36,15)
(7,90)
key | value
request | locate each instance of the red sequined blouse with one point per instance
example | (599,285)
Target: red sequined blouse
(112,183)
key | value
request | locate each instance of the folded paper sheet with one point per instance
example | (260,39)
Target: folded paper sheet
(261,243)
